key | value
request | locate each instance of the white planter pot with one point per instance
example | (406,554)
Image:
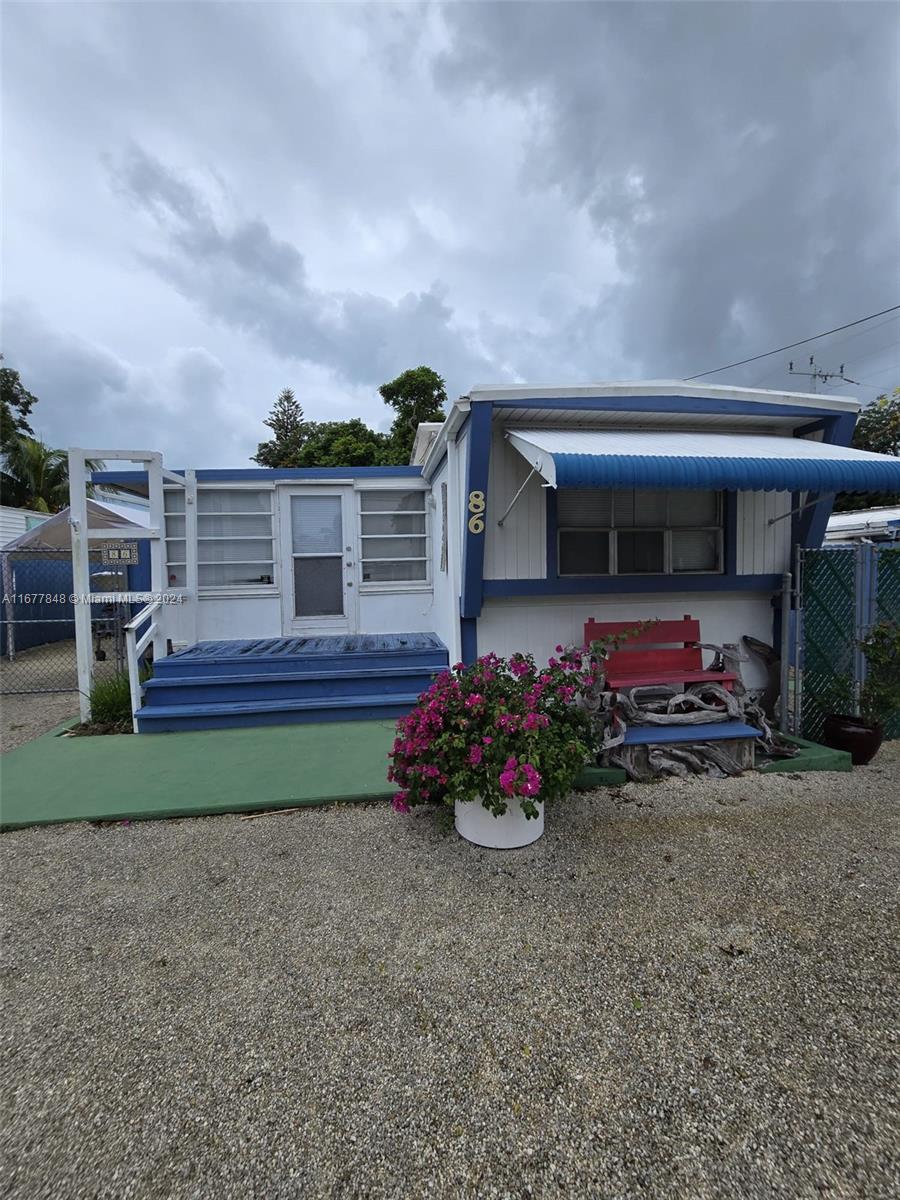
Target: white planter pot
(478,824)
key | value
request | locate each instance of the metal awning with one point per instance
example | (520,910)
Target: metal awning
(582,458)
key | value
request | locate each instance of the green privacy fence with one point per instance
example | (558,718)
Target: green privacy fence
(843,593)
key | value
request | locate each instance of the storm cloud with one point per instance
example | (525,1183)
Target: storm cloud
(209,202)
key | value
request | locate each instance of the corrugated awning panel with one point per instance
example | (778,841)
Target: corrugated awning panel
(581,458)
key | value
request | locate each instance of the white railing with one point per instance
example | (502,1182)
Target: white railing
(134,648)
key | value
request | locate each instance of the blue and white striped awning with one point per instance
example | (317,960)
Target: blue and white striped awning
(581,458)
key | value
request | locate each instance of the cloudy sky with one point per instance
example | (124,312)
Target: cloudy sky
(207,202)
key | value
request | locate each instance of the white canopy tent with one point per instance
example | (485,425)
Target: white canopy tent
(56,532)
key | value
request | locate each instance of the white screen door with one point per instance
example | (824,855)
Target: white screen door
(317,586)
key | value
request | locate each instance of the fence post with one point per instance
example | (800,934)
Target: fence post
(81,579)
(784,722)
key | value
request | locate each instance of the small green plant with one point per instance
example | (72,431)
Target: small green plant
(879,694)
(111,699)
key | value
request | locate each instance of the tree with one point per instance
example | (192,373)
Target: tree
(417,395)
(16,403)
(878,430)
(36,476)
(344,444)
(287,423)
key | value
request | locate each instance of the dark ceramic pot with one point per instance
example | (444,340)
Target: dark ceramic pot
(859,737)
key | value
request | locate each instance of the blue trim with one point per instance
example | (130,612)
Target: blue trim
(737,474)
(468,630)
(479,457)
(668,404)
(601,585)
(268,474)
(814,520)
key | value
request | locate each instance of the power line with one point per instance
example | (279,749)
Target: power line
(802,342)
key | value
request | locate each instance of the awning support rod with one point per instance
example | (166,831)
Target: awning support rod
(800,508)
(517,495)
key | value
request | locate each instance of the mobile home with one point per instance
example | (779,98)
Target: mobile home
(525,513)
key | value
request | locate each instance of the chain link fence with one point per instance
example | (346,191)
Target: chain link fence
(37,622)
(842,594)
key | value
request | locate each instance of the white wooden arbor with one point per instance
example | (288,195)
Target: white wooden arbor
(82,535)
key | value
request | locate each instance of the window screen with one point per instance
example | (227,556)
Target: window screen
(643,531)
(393,536)
(234,537)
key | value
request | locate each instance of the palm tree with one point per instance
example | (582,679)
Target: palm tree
(36,476)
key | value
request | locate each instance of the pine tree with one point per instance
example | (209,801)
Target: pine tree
(290,430)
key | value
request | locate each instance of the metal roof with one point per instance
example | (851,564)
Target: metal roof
(752,462)
(666,387)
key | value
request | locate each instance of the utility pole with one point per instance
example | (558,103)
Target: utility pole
(817,375)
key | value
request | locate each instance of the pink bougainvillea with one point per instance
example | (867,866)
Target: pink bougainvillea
(503,731)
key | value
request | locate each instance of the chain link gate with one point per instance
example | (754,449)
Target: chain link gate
(37,622)
(841,594)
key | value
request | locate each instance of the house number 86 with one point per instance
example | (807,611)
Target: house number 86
(476,507)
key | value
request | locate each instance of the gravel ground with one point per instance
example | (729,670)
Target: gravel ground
(685,990)
(23,718)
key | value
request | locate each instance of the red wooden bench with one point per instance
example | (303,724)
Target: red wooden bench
(669,652)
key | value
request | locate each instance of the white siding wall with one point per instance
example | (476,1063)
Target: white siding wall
(518,548)
(537,624)
(763,549)
(224,617)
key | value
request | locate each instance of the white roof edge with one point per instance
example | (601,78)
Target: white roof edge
(455,417)
(653,387)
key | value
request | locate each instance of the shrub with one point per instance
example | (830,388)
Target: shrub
(502,729)
(111,699)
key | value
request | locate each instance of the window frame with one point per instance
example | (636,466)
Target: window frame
(612,531)
(213,590)
(392,585)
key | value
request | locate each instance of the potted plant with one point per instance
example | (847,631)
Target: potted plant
(857,726)
(496,740)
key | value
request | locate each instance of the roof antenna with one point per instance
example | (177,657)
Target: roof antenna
(817,375)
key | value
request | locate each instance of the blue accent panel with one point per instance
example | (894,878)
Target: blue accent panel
(479,455)
(464,425)
(655,735)
(468,628)
(624,585)
(752,474)
(667,404)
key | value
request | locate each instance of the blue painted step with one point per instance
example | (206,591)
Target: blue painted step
(285,656)
(294,685)
(715,731)
(170,718)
